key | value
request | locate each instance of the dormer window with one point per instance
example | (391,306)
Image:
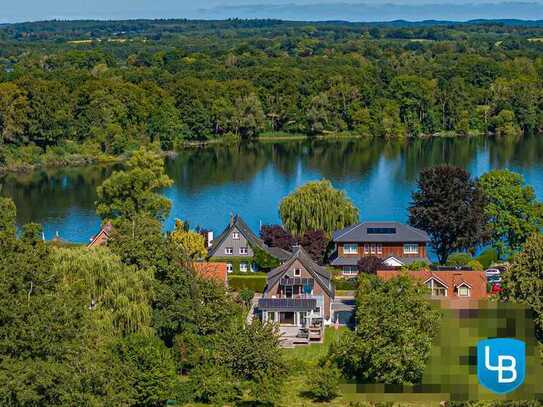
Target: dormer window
(297,272)
(437,289)
(235,235)
(463,291)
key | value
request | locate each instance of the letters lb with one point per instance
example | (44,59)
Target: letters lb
(501,364)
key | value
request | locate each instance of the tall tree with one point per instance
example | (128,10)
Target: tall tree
(522,282)
(191,243)
(512,209)
(277,236)
(134,191)
(449,205)
(317,206)
(393,337)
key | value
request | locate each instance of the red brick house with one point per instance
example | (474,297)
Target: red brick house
(455,288)
(101,237)
(396,243)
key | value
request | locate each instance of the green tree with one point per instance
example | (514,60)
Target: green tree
(317,206)
(522,280)
(118,295)
(394,332)
(449,206)
(324,383)
(134,191)
(512,209)
(13,113)
(191,243)
(150,369)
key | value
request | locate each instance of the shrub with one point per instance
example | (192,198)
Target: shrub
(213,384)
(255,283)
(346,284)
(369,264)
(324,383)
(246,295)
(475,265)
(458,259)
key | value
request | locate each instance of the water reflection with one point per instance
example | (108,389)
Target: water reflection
(252,178)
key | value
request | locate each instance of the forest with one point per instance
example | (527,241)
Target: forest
(82,91)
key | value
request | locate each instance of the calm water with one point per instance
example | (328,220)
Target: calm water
(251,179)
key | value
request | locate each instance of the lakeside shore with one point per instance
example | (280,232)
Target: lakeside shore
(24,160)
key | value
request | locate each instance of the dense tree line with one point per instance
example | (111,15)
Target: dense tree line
(62,90)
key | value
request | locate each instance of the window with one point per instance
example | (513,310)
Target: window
(410,248)
(243,250)
(297,272)
(350,248)
(366,249)
(271,316)
(463,291)
(235,236)
(317,310)
(350,270)
(376,248)
(228,250)
(254,267)
(243,267)
(229,267)
(379,248)
(436,288)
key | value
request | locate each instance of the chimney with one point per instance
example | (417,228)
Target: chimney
(209,238)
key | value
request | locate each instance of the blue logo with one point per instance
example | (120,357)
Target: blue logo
(501,364)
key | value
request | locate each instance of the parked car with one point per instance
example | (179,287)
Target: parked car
(492,272)
(494,278)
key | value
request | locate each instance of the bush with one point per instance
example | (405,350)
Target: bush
(213,384)
(475,265)
(324,383)
(488,257)
(251,282)
(458,259)
(246,295)
(346,284)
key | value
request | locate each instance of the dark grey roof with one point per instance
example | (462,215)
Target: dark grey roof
(340,261)
(287,304)
(382,232)
(245,230)
(321,275)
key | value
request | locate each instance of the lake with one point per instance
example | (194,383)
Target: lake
(251,179)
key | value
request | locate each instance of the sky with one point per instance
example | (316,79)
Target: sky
(349,10)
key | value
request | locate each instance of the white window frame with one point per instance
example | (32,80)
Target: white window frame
(350,248)
(297,272)
(235,235)
(228,250)
(468,291)
(229,267)
(350,270)
(430,285)
(366,248)
(244,251)
(243,267)
(411,248)
(379,248)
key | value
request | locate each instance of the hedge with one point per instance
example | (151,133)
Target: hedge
(252,282)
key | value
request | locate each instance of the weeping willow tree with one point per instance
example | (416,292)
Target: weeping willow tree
(118,295)
(317,206)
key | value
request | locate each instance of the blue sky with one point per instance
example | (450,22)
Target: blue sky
(353,10)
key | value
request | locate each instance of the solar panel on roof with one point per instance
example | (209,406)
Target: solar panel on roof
(381,231)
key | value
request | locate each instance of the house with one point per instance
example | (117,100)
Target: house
(101,238)
(396,243)
(212,271)
(455,288)
(298,293)
(237,246)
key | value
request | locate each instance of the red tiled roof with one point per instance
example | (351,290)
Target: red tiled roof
(212,271)
(475,280)
(101,237)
